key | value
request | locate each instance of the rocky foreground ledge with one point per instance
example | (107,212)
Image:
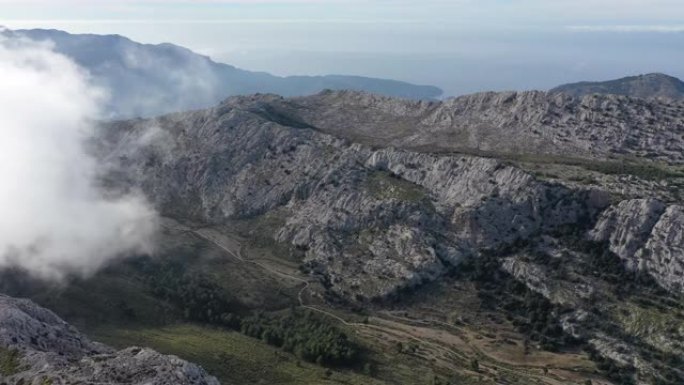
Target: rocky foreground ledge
(39,348)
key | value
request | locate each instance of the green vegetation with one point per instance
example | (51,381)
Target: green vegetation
(231,356)
(9,362)
(650,170)
(308,336)
(534,315)
(604,264)
(619,374)
(199,299)
(638,168)
(386,185)
(305,334)
(531,313)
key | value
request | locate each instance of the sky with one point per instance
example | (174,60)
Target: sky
(462,46)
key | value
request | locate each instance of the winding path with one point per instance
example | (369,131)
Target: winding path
(501,365)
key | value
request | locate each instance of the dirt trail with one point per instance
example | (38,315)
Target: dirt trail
(403,330)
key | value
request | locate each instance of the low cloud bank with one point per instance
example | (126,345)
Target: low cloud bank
(54,221)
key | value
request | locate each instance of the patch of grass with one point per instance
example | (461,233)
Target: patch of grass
(230,356)
(384,185)
(9,362)
(629,165)
(652,322)
(641,169)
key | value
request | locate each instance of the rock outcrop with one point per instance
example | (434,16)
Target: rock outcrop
(37,347)
(649,236)
(370,221)
(376,195)
(516,124)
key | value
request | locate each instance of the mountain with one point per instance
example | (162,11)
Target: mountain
(37,347)
(351,238)
(146,80)
(552,220)
(503,124)
(643,86)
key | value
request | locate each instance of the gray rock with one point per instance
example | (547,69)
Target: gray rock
(369,221)
(48,350)
(643,86)
(532,123)
(648,236)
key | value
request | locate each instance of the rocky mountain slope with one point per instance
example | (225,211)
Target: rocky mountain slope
(357,213)
(370,193)
(146,80)
(252,155)
(37,347)
(643,86)
(511,123)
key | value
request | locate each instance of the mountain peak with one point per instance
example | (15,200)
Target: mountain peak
(652,85)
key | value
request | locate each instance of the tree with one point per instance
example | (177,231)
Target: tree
(475,364)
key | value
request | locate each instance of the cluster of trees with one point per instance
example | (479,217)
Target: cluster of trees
(604,264)
(300,332)
(305,334)
(200,299)
(618,374)
(532,314)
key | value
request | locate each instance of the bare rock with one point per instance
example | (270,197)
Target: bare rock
(45,349)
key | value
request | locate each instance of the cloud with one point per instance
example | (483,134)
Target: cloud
(34,22)
(627,28)
(55,221)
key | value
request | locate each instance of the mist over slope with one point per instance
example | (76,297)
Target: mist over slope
(146,80)
(55,220)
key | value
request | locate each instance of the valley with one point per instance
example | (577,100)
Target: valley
(406,197)
(341,239)
(435,337)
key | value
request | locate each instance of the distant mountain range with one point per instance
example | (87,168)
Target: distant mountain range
(146,79)
(642,86)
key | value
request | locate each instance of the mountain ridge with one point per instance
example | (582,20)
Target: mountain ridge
(497,123)
(652,85)
(151,79)
(376,197)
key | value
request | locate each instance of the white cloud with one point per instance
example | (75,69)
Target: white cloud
(627,28)
(55,221)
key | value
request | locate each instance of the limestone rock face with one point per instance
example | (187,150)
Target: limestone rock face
(663,254)
(627,226)
(531,123)
(370,221)
(375,195)
(649,236)
(46,349)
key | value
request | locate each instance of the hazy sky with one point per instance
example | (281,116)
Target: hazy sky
(459,45)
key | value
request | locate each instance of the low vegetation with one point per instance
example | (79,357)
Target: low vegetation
(232,357)
(308,336)
(386,185)
(531,313)
(9,361)
(303,333)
